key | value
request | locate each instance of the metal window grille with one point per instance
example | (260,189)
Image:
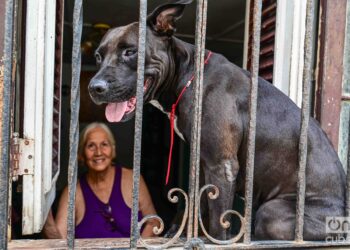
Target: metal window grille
(192,213)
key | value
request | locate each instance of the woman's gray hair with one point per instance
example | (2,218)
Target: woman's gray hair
(87,130)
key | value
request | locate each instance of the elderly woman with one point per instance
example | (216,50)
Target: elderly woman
(104,194)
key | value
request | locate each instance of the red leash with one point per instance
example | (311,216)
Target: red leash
(172,119)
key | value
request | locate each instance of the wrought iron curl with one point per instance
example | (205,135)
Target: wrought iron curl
(214,194)
(158,230)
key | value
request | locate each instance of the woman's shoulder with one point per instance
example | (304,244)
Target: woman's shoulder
(126,171)
(127,176)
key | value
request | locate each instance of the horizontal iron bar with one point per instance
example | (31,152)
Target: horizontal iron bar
(123,243)
(345,98)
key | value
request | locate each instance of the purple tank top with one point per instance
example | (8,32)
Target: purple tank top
(111,220)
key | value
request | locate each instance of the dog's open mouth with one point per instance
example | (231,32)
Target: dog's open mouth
(115,111)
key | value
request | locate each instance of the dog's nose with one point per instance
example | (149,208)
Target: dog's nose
(98,86)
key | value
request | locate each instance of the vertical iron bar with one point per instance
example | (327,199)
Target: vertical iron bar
(347,209)
(6,75)
(200,68)
(74,120)
(252,120)
(135,234)
(12,108)
(346,82)
(305,116)
(192,226)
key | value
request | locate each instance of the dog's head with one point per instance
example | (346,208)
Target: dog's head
(116,57)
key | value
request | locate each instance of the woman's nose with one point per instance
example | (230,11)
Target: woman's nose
(98,150)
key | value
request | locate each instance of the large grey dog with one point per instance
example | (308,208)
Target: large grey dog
(169,65)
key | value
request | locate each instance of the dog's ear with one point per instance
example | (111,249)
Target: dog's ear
(162,20)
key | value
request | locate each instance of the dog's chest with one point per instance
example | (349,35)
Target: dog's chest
(156,104)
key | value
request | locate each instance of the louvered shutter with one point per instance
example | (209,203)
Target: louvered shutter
(56,131)
(267,40)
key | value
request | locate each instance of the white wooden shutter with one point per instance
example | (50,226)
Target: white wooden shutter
(39,187)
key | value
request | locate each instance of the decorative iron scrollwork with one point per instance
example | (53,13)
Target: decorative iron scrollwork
(194,243)
(224,223)
(158,230)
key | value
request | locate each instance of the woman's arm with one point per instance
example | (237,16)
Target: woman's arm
(50,230)
(57,229)
(62,213)
(147,208)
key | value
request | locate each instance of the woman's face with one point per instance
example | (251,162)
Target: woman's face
(98,150)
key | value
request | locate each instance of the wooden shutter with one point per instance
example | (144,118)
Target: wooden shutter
(267,41)
(56,131)
(41,122)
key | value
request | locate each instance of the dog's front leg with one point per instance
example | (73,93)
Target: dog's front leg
(223,176)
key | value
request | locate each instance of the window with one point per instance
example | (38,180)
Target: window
(41,122)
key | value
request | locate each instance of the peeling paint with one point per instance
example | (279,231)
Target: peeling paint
(2,69)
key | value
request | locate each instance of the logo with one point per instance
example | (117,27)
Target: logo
(337,225)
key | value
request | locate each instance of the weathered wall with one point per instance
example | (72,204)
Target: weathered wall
(2,34)
(330,64)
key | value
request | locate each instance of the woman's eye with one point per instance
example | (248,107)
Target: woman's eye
(129,52)
(90,146)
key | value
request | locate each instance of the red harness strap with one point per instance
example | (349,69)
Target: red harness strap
(172,119)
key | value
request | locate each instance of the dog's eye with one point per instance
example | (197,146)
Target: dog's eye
(98,58)
(129,52)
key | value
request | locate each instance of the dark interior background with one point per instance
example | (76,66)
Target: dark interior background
(225,26)
(225,34)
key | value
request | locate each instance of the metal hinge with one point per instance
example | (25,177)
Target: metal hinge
(22,156)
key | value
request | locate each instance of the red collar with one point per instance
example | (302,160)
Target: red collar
(172,118)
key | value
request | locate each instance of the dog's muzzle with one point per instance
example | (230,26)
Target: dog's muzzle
(97,89)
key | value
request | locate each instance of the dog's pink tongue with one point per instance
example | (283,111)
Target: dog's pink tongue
(115,111)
